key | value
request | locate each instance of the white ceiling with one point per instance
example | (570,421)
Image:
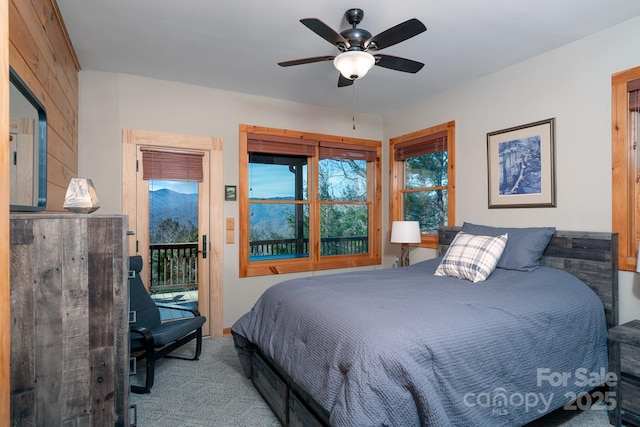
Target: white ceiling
(235,44)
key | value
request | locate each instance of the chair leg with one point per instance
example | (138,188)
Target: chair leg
(198,344)
(198,338)
(151,355)
(151,368)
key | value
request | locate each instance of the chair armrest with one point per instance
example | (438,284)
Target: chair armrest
(144,333)
(191,310)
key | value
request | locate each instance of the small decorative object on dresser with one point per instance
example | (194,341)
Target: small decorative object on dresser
(624,362)
(81,196)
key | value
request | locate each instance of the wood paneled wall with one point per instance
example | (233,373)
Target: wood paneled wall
(42,54)
(4,216)
(34,41)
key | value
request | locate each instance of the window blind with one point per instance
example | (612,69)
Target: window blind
(336,150)
(427,144)
(178,165)
(633,87)
(280,145)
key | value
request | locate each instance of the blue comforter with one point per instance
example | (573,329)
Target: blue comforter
(405,347)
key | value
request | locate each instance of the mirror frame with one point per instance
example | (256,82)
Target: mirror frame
(41,147)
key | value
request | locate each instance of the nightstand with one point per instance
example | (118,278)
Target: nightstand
(624,361)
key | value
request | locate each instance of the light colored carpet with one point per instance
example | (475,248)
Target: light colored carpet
(211,391)
(214,392)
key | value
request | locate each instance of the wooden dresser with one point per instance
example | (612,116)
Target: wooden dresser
(624,361)
(69,322)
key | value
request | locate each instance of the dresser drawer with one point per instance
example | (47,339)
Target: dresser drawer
(630,392)
(630,359)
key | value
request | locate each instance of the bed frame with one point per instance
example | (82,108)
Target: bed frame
(591,256)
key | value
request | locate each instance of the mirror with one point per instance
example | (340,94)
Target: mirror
(28,147)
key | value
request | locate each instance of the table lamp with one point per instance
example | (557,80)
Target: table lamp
(405,232)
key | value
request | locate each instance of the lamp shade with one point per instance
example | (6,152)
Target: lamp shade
(638,262)
(405,232)
(354,64)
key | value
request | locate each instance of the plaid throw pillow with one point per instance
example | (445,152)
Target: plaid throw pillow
(472,257)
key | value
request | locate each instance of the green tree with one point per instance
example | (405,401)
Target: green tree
(343,181)
(171,231)
(429,206)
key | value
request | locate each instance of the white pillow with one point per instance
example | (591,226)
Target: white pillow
(472,257)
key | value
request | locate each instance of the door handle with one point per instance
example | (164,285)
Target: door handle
(204,246)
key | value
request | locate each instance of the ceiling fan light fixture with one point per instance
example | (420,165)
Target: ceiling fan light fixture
(354,64)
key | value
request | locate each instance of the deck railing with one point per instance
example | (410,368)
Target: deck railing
(296,247)
(173,266)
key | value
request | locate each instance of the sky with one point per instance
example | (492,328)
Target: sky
(183,187)
(270,181)
(265,181)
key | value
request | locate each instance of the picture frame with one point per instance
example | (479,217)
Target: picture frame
(230,193)
(521,166)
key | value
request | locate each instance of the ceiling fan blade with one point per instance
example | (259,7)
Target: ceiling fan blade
(305,61)
(397,34)
(326,32)
(343,81)
(398,64)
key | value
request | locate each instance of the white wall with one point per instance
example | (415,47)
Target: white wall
(572,84)
(110,102)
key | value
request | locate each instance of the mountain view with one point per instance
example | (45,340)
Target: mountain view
(170,206)
(270,221)
(167,204)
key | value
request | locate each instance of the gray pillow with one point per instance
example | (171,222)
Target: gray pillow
(524,247)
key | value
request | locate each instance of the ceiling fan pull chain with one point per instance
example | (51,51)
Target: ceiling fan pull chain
(353,117)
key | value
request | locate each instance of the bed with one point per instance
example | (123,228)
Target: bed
(406,347)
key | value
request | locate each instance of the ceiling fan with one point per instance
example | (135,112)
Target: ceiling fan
(355,61)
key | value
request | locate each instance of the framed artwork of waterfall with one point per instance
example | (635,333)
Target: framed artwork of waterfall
(521,166)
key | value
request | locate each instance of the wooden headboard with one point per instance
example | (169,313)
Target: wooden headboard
(590,256)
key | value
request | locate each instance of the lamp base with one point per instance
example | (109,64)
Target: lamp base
(404,255)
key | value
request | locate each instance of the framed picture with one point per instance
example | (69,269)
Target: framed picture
(521,166)
(230,192)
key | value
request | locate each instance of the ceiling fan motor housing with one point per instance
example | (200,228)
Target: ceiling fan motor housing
(356,36)
(354,43)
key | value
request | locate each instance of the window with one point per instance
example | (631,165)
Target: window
(422,179)
(625,119)
(307,201)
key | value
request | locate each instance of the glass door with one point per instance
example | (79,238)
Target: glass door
(173,244)
(173,222)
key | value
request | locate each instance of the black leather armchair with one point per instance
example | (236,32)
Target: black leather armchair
(152,339)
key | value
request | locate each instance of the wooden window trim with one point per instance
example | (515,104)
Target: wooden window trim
(314,262)
(623,171)
(396,171)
